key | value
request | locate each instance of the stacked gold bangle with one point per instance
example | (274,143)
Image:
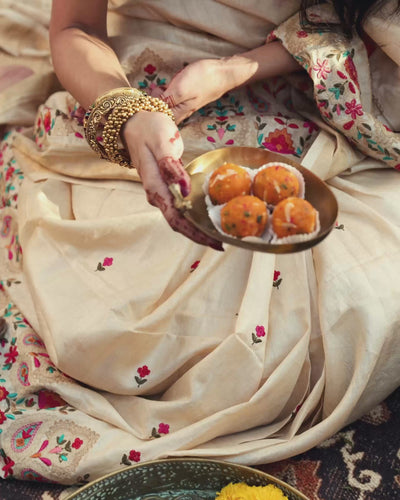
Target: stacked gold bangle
(104,120)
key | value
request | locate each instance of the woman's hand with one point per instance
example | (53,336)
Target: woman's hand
(155,147)
(196,85)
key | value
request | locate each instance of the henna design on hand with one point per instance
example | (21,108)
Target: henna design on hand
(175,138)
(173,172)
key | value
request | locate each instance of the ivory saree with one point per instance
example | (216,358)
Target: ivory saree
(126,342)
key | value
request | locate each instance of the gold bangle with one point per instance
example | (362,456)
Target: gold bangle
(118,117)
(99,110)
(109,113)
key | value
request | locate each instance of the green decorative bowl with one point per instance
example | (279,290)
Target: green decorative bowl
(177,479)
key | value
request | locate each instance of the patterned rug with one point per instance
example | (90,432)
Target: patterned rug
(361,462)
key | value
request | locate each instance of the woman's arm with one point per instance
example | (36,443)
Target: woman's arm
(84,62)
(88,68)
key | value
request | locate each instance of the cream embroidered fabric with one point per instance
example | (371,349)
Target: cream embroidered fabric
(180,350)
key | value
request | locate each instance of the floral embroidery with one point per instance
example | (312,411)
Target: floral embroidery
(23,374)
(143,371)
(151,79)
(162,429)
(11,355)
(224,109)
(23,437)
(8,465)
(279,141)
(3,393)
(322,69)
(277,280)
(62,449)
(32,339)
(194,265)
(107,262)
(134,456)
(32,475)
(257,337)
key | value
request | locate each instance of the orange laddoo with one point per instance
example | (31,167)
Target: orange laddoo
(244,216)
(275,183)
(293,216)
(227,181)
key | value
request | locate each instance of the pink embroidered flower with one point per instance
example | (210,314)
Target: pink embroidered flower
(134,456)
(49,399)
(322,69)
(77,443)
(354,109)
(47,121)
(341,75)
(3,417)
(108,261)
(397,167)
(143,371)
(163,428)
(279,141)
(150,69)
(302,34)
(276,275)
(3,393)
(260,331)
(11,355)
(78,135)
(7,469)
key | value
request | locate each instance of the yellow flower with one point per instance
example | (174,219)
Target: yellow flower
(242,491)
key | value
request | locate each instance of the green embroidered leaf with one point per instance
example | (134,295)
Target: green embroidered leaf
(140,381)
(396,150)
(13,395)
(63,458)
(100,267)
(68,446)
(262,126)
(60,439)
(125,460)
(366,126)
(256,340)
(260,138)
(277,283)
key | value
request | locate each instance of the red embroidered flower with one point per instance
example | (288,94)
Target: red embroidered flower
(49,399)
(150,69)
(163,428)
(3,393)
(8,467)
(77,443)
(194,265)
(108,261)
(260,331)
(3,417)
(397,167)
(302,34)
(279,141)
(354,109)
(134,456)
(351,70)
(276,275)
(143,371)
(9,173)
(47,121)
(11,355)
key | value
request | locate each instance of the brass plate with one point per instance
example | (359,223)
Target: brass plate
(316,192)
(177,479)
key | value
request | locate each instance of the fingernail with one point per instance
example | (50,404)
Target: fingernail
(217,246)
(184,187)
